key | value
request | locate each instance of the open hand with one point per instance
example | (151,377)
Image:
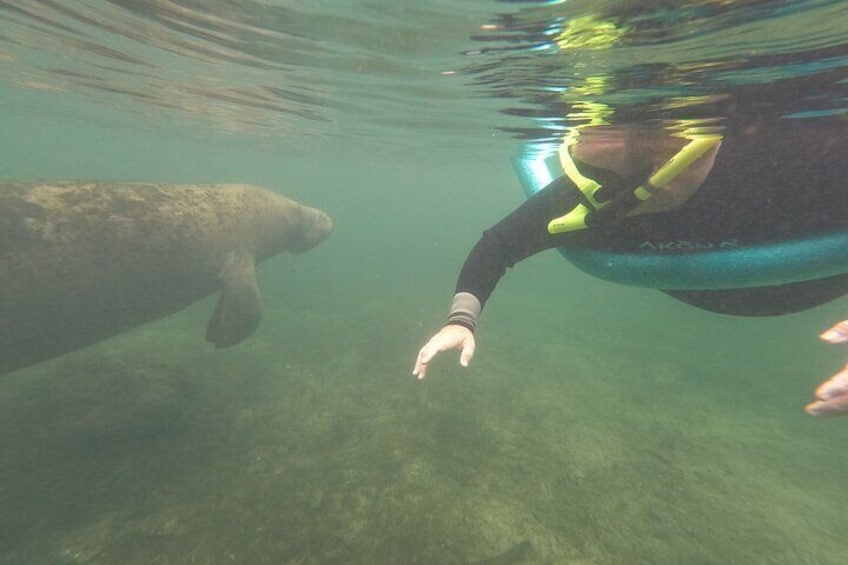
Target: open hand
(832,394)
(449,337)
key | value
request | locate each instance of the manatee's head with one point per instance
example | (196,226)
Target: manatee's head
(314,226)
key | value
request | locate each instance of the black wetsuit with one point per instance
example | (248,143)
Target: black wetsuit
(769,185)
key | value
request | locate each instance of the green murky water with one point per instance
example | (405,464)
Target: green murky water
(599,423)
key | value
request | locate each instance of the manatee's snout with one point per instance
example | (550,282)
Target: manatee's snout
(323,226)
(315,227)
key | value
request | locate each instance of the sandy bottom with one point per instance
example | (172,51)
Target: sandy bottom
(633,441)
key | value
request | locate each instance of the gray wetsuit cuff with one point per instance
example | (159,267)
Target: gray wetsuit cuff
(464,311)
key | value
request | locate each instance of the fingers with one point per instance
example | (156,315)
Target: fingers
(832,396)
(436,345)
(836,334)
(835,386)
(449,337)
(833,407)
(467,354)
(424,357)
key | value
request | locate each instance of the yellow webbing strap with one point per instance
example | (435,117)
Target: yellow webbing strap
(576,218)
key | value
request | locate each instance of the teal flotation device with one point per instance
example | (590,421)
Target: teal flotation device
(769,264)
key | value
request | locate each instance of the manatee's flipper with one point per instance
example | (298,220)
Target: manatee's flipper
(240,307)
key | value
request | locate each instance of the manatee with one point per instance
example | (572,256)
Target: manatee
(84,261)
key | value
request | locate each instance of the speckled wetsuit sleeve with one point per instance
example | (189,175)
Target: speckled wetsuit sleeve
(519,235)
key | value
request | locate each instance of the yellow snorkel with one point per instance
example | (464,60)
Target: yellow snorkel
(580,217)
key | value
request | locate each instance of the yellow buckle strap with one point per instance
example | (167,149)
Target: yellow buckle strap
(576,218)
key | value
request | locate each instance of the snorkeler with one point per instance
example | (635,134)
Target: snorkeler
(752,223)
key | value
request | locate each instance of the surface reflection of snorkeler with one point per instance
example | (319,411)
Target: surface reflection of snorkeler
(754,224)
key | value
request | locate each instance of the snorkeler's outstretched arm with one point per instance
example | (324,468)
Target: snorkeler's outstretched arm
(832,394)
(519,235)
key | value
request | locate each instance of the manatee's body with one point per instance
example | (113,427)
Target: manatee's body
(80,262)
